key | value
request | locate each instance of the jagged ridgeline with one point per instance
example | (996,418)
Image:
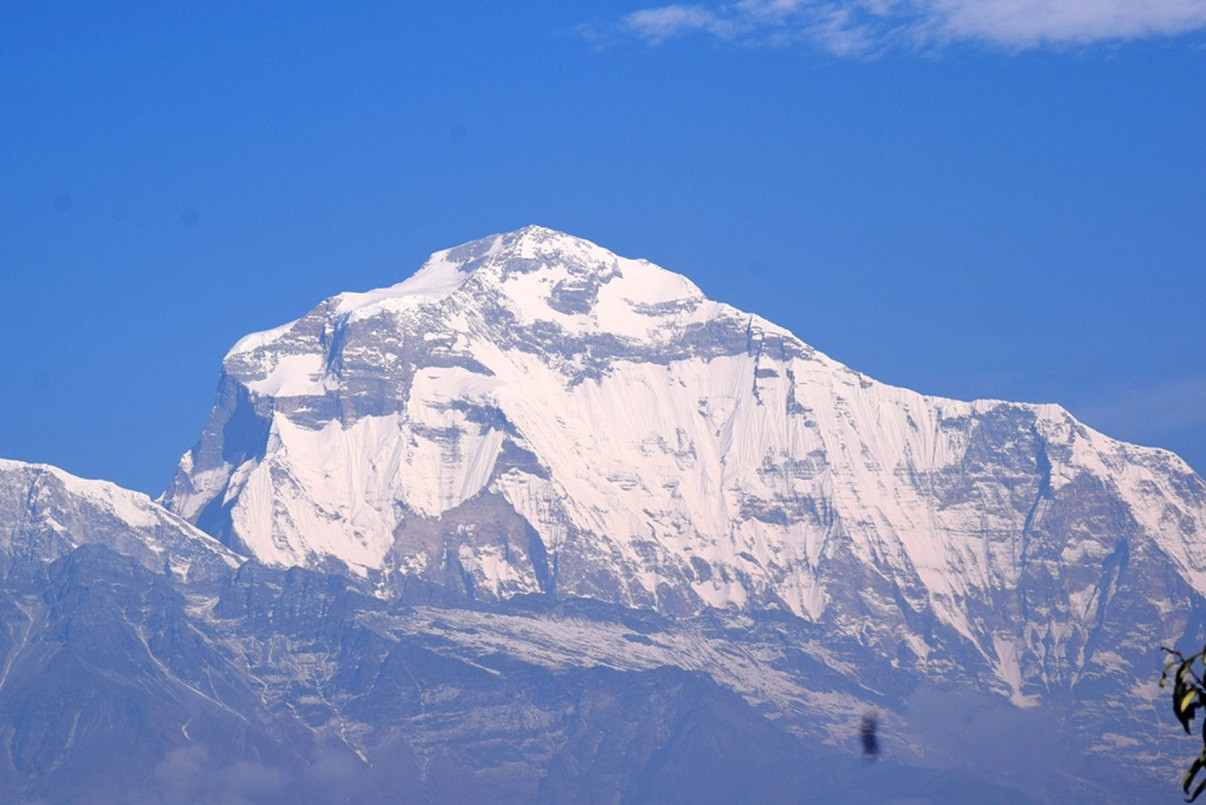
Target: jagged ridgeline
(545,523)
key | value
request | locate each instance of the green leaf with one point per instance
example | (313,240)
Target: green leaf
(1187,698)
(1187,780)
(1201,787)
(1181,696)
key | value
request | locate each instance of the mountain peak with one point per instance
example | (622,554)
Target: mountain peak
(538,276)
(533,239)
(552,276)
(535,242)
(536,267)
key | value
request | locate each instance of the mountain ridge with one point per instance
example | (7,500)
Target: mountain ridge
(430,524)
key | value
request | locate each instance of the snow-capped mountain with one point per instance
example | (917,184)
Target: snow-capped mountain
(542,523)
(530,413)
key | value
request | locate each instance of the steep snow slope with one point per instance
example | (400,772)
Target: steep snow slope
(532,413)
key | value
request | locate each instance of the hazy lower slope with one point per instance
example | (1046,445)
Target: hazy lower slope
(126,680)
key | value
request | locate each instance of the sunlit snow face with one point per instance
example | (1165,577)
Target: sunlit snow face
(638,443)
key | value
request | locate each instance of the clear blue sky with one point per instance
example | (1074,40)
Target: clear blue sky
(969,205)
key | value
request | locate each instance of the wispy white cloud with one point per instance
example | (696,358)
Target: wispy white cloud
(1024,23)
(853,27)
(659,24)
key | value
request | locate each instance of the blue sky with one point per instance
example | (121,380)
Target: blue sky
(1001,198)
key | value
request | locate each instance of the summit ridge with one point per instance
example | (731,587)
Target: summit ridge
(541,273)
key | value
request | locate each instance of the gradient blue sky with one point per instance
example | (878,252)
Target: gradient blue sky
(966,204)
